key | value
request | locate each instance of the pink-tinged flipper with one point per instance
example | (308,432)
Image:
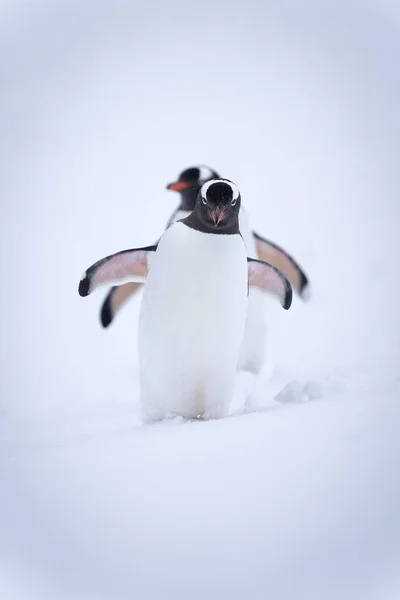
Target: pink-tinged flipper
(271,253)
(128,265)
(269,279)
(115,299)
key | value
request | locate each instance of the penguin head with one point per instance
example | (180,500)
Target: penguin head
(189,183)
(218,205)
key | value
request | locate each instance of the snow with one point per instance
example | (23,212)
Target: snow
(297,494)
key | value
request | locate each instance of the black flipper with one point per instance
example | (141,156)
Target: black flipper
(269,279)
(115,299)
(127,265)
(270,252)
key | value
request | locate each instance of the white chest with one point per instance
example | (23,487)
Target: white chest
(192,319)
(192,273)
(244,227)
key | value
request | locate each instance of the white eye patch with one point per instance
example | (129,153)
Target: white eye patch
(233,186)
(205,173)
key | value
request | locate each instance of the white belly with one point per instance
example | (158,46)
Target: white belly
(253,346)
(191,323)
(247,234)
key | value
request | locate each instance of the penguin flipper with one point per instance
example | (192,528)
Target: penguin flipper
(115,299)
(128,265)
(271,253)
(269,279)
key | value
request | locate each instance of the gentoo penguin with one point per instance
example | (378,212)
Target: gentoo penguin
(194,305)
(188,185)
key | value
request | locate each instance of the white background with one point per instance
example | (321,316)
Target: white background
(102,104)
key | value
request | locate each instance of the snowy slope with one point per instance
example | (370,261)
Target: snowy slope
(297,494)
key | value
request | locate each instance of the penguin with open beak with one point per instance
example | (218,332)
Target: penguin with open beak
(194,305)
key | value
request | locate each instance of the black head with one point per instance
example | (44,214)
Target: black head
(217,208)
(189,183)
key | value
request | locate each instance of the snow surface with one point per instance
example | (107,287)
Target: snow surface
(296,495)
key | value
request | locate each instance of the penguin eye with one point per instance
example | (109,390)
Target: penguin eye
(204,200)
(233,202)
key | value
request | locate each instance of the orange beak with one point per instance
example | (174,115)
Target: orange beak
(217,216)
(178,186)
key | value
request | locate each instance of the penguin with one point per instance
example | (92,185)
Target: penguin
(194,305)
(188,186)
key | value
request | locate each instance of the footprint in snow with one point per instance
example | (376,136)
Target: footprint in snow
(296,392)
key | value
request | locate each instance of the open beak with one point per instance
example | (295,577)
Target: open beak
(178,186)
(217,215)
